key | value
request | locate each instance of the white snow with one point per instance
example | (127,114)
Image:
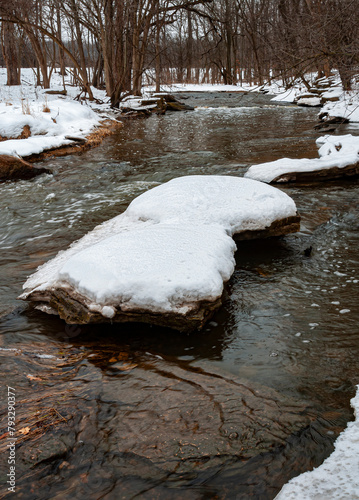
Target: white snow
(235,203)
(337,478)
(344,311)
(171,248)
(346,107)
(160,267)
(334,92)
(51,118)
(204,87)
(48,129)
(287,96)
(309,101)
(335,151)
(108,312)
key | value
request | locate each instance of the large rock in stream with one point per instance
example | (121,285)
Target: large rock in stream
(338,159)
(166,258)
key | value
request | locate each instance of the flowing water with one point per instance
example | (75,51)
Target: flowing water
(134,411)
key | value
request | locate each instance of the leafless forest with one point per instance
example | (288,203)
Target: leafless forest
(115,44)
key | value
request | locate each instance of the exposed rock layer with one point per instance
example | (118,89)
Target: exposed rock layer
(14,168)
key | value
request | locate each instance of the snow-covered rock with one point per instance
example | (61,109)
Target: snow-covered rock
(309,101)
(289,95)
(332,95)
(166,258)
(338,157)
(337,478)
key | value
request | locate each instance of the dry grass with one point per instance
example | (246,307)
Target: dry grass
(25,107)
(38,423)
(45,107)
(105,130)
(32,423)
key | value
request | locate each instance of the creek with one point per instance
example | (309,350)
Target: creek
(134,411)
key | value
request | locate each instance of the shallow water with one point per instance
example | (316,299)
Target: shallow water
(234,411)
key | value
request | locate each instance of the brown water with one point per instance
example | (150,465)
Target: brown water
(133,411)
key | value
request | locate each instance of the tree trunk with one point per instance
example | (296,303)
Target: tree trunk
(97,73)
(189,48)
(9,44)
(158,51)
(40,56)
(61,50)
(82,66)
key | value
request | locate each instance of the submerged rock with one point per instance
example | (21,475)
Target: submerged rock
(14,168)
(161,422)
(166,258)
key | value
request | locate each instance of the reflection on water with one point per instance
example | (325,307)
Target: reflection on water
(234,411)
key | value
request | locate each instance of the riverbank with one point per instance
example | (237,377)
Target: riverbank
(336,105)
(35,122)
(337,477)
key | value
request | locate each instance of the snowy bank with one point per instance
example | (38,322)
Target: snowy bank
(50,125)
(200,87)
(166,258)
(337,478)
(321,91)
(347,107)
(338,157)
(33,121)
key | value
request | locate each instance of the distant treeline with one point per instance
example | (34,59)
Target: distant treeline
(113,43)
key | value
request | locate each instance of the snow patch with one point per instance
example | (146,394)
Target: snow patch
(337,478)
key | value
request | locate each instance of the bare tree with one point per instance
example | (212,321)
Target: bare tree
(9,44)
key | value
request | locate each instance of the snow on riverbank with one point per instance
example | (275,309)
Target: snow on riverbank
(200,87)
(337,103)
(50,119)
(49,129)
(338,476)
(347,106)
(335,151)
(168,252)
